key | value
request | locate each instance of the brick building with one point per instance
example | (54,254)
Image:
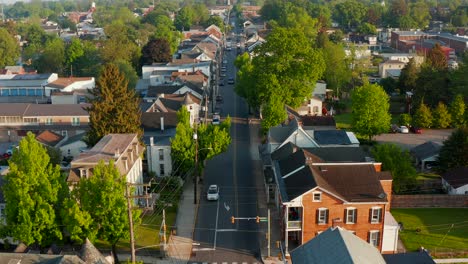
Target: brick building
(314,194)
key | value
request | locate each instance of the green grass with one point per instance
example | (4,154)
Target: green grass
(427,176)
(343,121)
(436,229)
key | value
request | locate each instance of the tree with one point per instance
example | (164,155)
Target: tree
(52,59)
(200,14)
(441,117)
(183,20)
(457,111)
(212,140)
(404,120)
(337,73)
(432,86)
(458,79)
(367,29)
(156,50)
(398,162)
(454,152)
(114,108)
(129,72)
(436,58)
(97,207)
(423,116)
(119,45)
(370,106)
(420,14)
(408,77)
(73,51)
(9,49)
(215,20)
(389,84)
(30,192)
(286,66)
(350,13)
(90,63)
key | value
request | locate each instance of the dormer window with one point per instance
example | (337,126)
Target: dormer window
(316,196)
(83,173)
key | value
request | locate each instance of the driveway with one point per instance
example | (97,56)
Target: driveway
(408,141)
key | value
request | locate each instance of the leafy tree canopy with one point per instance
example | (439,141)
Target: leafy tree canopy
(9,49)
(454,152)
(423,116)
(441,116)
(457,111)
(31,191)
(370,106)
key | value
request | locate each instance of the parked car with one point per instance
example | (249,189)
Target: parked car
(231,81)
(213,193)
(219,99)
(223,69)
(416,130)
(394,128)
(221,82)
(223,74)
(216,119)
(10,149)
(404,129)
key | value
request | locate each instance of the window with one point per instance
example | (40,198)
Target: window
(351,214)
(317,196)
(84,173)
(75,121)
(161,154)
(322,216)
(64,133)
(161,169)
(31,92)
(48,121)
(374,238)
(315,109)
(375,215)
(5,92)
(22,92)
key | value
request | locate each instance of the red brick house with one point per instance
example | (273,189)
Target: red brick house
(314,195)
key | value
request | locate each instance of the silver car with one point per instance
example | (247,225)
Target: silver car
(213,193)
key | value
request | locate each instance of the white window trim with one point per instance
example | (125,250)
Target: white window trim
(320,210)
(379,215)
(372,232)
(354,216)
(77,119)
(313,197)
(49,121)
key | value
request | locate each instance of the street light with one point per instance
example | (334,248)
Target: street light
(195,178)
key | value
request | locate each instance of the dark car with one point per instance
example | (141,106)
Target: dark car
(219,99)
(221,82)
(231,81)
(394,128)
(416,130)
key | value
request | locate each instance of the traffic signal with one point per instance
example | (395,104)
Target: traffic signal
(257,219)
(233,219)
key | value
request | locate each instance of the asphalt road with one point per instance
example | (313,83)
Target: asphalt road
(216,238)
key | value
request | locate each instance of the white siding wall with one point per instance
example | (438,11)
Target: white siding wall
(135,175)
(154,162)
(74,148)
(390,234)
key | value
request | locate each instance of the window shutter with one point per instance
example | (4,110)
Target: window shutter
(368,237)
(317,216)
(345,218)
(355,216)
(378,238)
(370,215)
(326,216)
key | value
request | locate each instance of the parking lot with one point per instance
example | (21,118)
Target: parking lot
(408,141)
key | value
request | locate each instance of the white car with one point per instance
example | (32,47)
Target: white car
(216,120)
(404,129)
(213,193)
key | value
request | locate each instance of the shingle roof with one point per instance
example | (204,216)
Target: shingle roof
(284,151)
(32,110)
(105,149)
(173,102)
(151,121)
(456,177)
(426,150)
(154,91)
(332,137)
(340,154)
(49,138)
(299,183)
(39,258)
(318,121)
(91,255)
(65,82)
(292,162)
(409,258)
(72,139)
(336,245)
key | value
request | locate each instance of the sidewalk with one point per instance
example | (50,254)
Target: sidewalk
(179,246)
(275,256)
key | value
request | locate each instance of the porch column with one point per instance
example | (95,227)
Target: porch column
(286,238)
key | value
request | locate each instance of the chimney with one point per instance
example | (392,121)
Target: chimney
(117,153)
(162,123)
(151,141)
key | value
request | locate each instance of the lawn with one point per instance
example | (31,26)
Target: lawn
(343,121)
(437,229)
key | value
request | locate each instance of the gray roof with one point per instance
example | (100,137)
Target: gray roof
(331,137)
(28,258)
(456,177)
(154,91)
(426,150)
(151,121)
(279,134)
(409,258)
(33,110)
(284,151)
(73,139)
(91,255)
(336,245)
(340,154)
(160,139)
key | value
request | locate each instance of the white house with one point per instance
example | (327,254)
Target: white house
(455,181)
(161,73)
(158,153)
(313,106)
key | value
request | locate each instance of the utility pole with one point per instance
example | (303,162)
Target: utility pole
(206,107)
(130,220)
(195,177)
(269,236)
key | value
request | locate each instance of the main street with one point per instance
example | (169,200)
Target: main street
(237,173)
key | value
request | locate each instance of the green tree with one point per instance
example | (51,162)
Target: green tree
(200,14)
(432,86)
(436,58)
(457,110)
(90,63)
(441,117)
(398,162)
(454,152)
(129,72)
(370,106)
(389,84)
(114,107)
(73,51)
(404,120)
(212,140)
(30,192)
(9,49)
(337,73)
(350,13)
(409,76)
(420,14)
(215,20)
(97,207)
(367,29)
(52,59)
(423,116)
(286,66)
(119,45)
(183,20)
(458,79)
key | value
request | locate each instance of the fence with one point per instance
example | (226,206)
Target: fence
(429,200)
